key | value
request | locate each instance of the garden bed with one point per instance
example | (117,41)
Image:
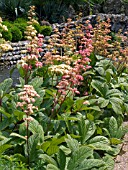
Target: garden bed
(68,109)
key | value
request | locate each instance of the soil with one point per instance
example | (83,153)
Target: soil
(121,161)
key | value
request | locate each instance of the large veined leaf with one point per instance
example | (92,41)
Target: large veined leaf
(30,149)
(4,147)
(51,167)
(66,150)
(116,104)
(89,164)
(48,159)
(86,129)
(72,143)
(100,87)
(126,107)
(61,159)
(5,86)
(100,70)
(2,110)
(78,104)
(35,127)
(40,99)
(5,123)
(36,82)
(114,92)
(109,162)
(52,147)
(19,114)
(113,127)
(103,102)
(78,156)
(17,135)
(99,143)
(121,131)
(115,141)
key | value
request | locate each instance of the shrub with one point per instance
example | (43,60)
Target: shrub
(16,34)
(22,27)
(7,35)
(37,27)
(8,23)
(20,20)
(46,30)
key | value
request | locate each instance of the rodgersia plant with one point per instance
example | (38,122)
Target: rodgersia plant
(31,60)
(60,116)
(27,98)
(113,48)
(71,71)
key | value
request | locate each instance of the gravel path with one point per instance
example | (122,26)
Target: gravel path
(121,161)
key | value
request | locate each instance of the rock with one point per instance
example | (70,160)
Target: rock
(45,23)
(115,7)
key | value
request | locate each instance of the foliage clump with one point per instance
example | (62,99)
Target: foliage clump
(4,46)
(16,34)
(68,109)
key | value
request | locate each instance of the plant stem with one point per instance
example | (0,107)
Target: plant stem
(28,143)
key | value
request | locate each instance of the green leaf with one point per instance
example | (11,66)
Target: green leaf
(99,143)
(100,70)
(72,143)
(61,159)
(99,57)
(101,88)
(17,135)
(109,162)
(2,142)
(115,141)
(115,150)
(4,147)
(35,127)
(79,156)
(103,102)
(51,167)
(51,147)
(5,123)
(32,144)
(89,164)
(116,105)
(86,129)
(66,150)
(6,85)
(19,114)
(113,127)
(126,107)
(4,112)
(40,99)
(48,159)
(36,82)
(114,92)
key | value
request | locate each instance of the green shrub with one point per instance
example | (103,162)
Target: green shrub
(37,27)
(22,27)
(20,20)
(7,35)
(16,34)
(9,24)
(46,30)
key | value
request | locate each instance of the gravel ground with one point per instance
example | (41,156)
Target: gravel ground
(121,161)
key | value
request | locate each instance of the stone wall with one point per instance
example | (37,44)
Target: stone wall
(11,57)
(117,22)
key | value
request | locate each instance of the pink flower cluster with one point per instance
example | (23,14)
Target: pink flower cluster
(27,97)
(74,78)
(31,60)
